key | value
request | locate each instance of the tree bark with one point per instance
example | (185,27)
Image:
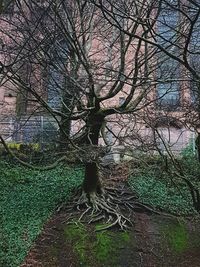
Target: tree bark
(197,143)
(65,126)
(91,183)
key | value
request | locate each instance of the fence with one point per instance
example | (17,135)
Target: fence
(36,129)
(44,130)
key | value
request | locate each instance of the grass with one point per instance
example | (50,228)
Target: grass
(27,199)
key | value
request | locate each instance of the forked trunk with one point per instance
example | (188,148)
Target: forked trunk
(99,204)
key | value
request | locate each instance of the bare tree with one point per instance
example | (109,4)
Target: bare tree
(82,71)
(95,67)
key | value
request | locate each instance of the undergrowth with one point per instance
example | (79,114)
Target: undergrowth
(27,199)
(162,195)
(163,191)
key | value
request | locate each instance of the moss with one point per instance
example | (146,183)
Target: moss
(96,248)
(76,233)
(104,246)
(108,246)
(125,236)
(177,237)
(74,230)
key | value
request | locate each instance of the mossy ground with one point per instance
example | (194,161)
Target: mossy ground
(180,236)
(177,237)
(28,199)
(154,240)
(94,248)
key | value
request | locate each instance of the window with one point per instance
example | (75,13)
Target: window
(194,57)
(55,81)
(168,71)
(194,92)
(167,23)
(168,89)
(56,74)
(194,47)
(121,100)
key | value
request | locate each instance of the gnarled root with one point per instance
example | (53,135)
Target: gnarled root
(109,207)
(113,207)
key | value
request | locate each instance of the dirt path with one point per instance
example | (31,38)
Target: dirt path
(143,233)
(154,241)
(167,242)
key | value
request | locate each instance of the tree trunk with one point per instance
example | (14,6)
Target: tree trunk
(65,126)
(91,183)
(197,143)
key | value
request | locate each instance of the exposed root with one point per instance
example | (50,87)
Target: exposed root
(110,208)
(114,207)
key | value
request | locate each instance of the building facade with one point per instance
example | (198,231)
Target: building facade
(53,54)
